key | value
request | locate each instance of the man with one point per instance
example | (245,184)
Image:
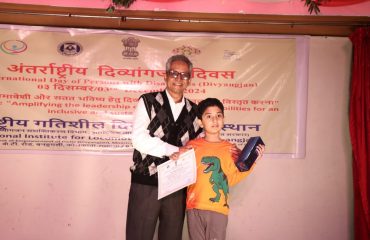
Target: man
(163,122)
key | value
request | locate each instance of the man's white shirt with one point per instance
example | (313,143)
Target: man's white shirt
(141,139)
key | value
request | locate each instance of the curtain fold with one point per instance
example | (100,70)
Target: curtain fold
(336,3)
(359,121)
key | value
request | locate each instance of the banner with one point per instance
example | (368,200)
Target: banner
(64,89)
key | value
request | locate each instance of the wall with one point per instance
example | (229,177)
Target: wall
(311,198)
(84,196)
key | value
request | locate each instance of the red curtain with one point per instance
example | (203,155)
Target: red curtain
(336,3)
(359,121)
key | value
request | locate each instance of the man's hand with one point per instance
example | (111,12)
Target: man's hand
(176,155)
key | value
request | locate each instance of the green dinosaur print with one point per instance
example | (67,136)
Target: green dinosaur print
(218,178)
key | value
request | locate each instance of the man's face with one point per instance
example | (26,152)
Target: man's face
(178,78)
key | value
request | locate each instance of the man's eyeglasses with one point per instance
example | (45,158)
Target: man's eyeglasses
(175,74)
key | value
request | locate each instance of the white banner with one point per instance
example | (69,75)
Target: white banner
(76,89)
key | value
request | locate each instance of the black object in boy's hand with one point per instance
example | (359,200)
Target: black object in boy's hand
(249,154)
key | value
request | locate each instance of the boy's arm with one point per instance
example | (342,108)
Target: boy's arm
(235,176)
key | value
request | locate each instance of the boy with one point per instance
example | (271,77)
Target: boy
(207,199)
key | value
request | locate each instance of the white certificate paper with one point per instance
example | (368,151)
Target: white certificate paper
(175,175)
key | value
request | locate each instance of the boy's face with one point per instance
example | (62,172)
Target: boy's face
(212,120)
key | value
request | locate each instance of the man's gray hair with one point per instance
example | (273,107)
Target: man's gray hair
(181,58)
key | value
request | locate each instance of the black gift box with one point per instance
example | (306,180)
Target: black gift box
(249,154)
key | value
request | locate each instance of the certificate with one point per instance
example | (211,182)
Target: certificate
(174,175)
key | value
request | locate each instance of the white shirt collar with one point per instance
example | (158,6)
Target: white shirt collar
(172,102)
(176,108)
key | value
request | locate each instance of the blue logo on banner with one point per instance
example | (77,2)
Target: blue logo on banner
(70,48)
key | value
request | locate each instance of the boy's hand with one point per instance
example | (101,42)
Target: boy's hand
(235,152)
(260,150)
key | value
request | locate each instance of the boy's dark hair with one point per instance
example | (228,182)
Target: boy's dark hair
(208,102)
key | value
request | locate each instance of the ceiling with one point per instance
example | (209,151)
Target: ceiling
(83,17)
